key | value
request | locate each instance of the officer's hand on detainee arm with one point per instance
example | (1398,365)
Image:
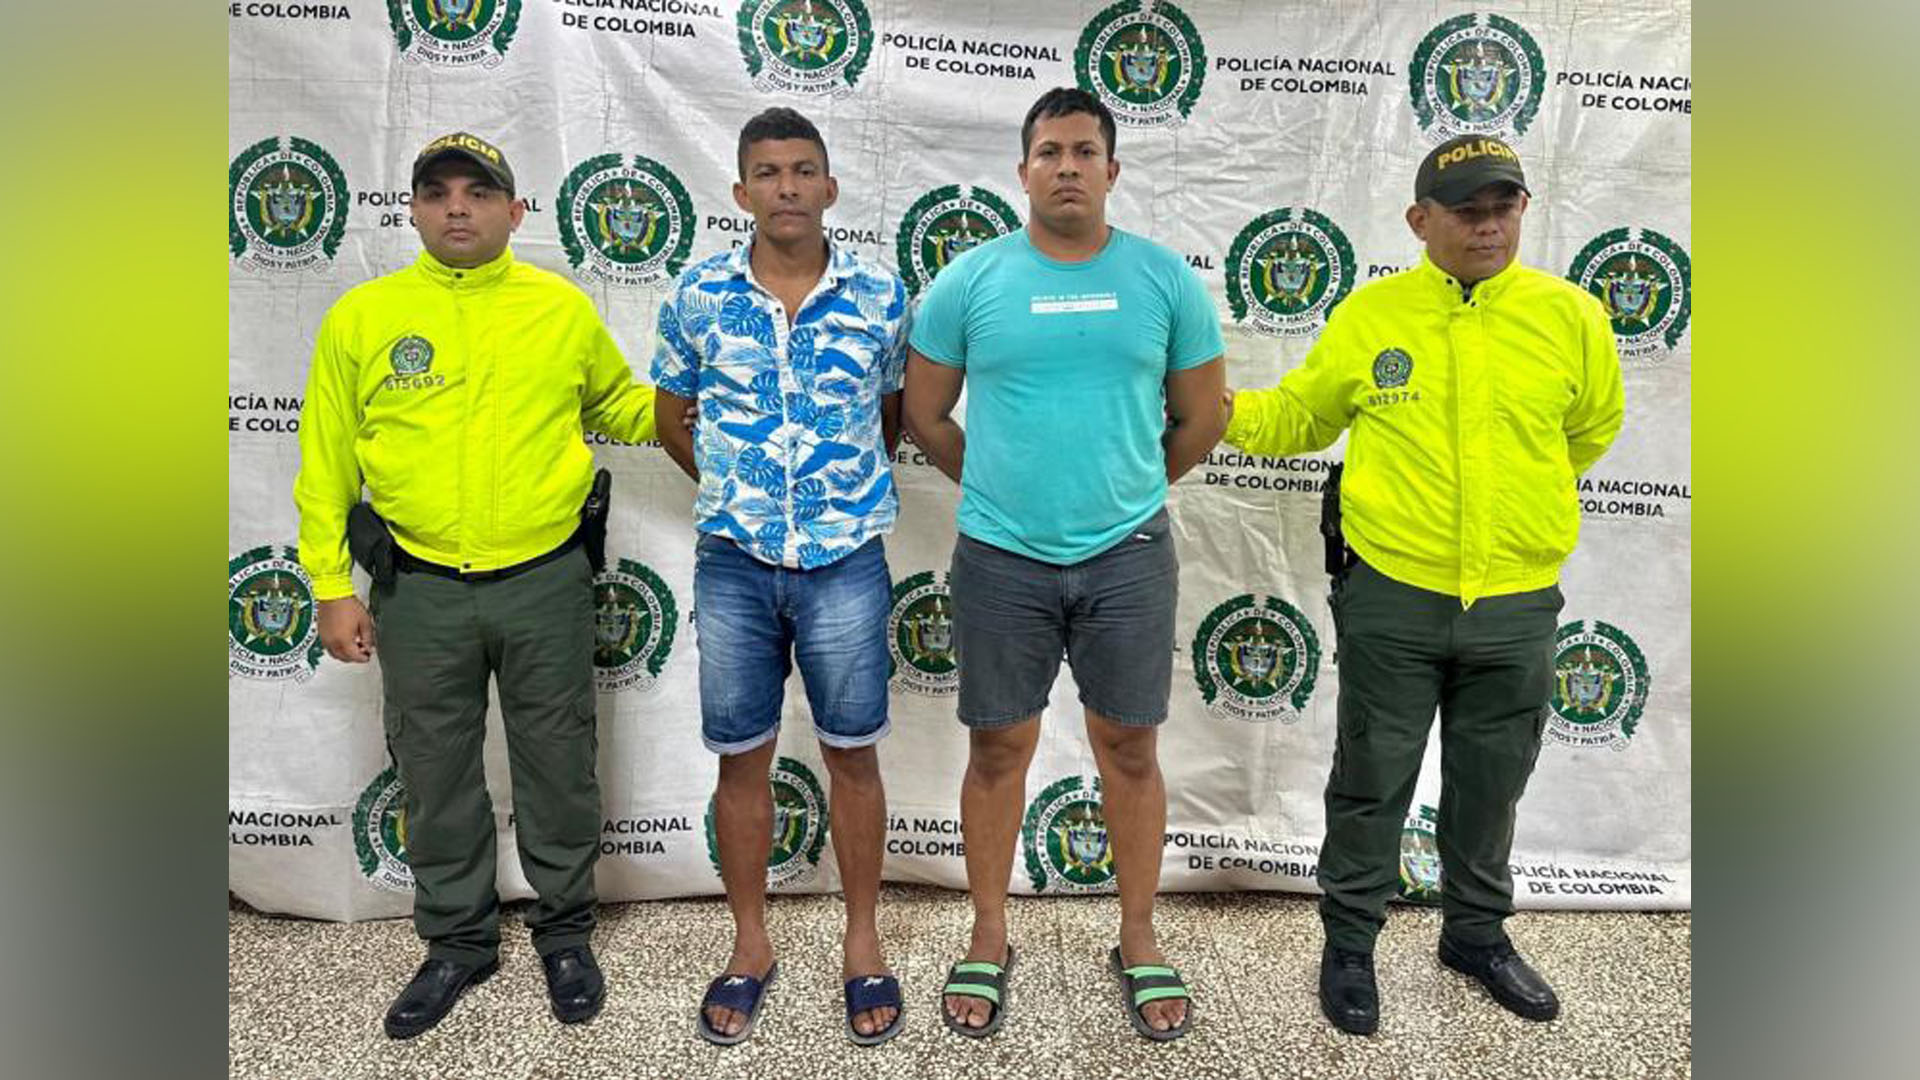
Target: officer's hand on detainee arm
(691,416)
(346,629)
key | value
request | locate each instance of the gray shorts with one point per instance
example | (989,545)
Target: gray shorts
(1111,615)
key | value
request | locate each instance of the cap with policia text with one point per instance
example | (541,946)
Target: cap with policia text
(471,148)
(1461,166)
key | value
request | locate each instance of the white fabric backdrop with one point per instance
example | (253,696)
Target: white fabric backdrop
(1292,106)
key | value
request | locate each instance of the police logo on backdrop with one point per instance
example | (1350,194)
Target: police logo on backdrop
(805,46)
(271,629)
(634,618)
(287,205)
(625,223)
(1145,60)
(1420,857)
(944,224)
(1476,75)
(1600,684)
(1286,270)
(1391,369)
(1065,838)
(920,637)
(380,833)
(454,33)
(1256,659)
(1646,282)
(799,825)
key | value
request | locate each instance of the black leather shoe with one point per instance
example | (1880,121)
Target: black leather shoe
(1347,993)
(431,994)
(1505,975)
(574,984)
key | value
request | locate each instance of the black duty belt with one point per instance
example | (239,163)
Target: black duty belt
(405,560)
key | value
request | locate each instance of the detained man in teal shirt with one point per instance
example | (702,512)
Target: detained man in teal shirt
(1092,361)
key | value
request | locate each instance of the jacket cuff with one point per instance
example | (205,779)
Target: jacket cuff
(332,586)
(1243,423)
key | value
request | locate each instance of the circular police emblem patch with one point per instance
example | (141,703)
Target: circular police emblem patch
(271,629)
(286,205)
(634,619)
(1600,684)
(1065,839)
(626,223)
(1420,858)
(1144,60)
(799,825)
(454,33)
(1286,270)
(945,223)
(380,833)
(411,355)
(1646,282)
(1392,368)
(920,638)
(1256,659)
(1476,75)
(805,46)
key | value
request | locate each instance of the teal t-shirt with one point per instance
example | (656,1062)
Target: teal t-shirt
(1066,365)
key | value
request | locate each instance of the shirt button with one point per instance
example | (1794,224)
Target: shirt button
(466,566)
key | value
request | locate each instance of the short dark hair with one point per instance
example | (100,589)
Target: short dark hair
(780,122)
(1065,101)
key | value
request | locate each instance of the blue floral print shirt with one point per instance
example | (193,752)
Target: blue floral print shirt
(792,463)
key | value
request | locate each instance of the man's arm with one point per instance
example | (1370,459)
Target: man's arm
(1277,423)
(615,403)
(1599,408)
(1307,411)
(676,434)
(890,421)
(894,370)
(325,489)
(927,402)
(1197,415)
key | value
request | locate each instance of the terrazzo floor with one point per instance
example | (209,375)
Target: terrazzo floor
(305,998)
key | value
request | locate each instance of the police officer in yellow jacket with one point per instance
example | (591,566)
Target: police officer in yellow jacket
(1477,390)
(456,391)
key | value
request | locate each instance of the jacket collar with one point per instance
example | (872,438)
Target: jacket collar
(1486,291)
(479,277)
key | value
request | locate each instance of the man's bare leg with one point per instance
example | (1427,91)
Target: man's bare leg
(991,798)
(743,825)
(858,809)
(1134,802)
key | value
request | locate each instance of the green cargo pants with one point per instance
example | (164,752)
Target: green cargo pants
(1403,651)
(438,640)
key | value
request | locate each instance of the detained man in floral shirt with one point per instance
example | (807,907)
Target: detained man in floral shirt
(794,351)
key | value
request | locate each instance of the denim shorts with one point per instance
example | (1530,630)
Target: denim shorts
(1111,615)
(754,620)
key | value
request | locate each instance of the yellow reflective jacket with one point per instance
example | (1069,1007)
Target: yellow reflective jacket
(459,398)
(1472,420)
